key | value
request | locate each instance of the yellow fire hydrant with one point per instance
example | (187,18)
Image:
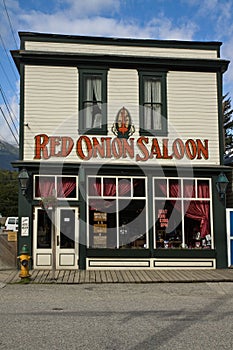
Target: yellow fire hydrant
(24,259)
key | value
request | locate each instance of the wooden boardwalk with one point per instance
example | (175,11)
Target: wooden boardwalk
(119,276)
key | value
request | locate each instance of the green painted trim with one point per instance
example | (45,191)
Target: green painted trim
(33,36)
(25,209)
(150,213)
(184,253)
(162,76)
(21,130)
(82,230)
(146,253)
(121,168)
(82,74)
(120,61)
(124,253)
(219,226)
(220,118)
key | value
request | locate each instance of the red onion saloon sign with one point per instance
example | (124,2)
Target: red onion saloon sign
(140,149)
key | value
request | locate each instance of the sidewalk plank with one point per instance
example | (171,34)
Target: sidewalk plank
(119,276)
(44,276)
(129,276)
(10,275)
(103,276)
(66,276)
(60,276)
(82,276)
(92,276)
(114,276)
(16,278)
(71,276)
(76,276)
(97,276)
(109,276)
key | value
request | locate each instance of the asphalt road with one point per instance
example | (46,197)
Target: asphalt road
(117,316)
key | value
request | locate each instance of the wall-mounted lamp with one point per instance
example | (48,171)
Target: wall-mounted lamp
(221,184)
(23,180)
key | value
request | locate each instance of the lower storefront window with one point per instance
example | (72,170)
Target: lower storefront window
(182,209)
(117,212)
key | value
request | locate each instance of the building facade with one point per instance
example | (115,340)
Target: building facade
(122,140)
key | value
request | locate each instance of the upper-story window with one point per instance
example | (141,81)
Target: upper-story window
(92,101)
(153,103)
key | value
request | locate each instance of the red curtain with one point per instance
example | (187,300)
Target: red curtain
(65,186)
(44,186)
(197,210)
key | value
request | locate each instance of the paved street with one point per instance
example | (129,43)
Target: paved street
(117,316)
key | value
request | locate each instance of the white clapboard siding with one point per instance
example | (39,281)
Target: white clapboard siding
(119,50)
(51,106)
(51,103)
(123,91)
(192,108)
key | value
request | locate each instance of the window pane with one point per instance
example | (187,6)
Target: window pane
(124,187)
(66,187)
(189,189)
(43,230)
(132,223)
(152,90)
(94,186)
(168,217)
(174,188)
(139,188)
(102,224)
(109,187)
(152,104)
(160,187)
(93,102)
(197,224)
(44,186)
(203,189)
(156,117)
(67,228)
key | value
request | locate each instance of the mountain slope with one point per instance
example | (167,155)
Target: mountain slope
(8,153)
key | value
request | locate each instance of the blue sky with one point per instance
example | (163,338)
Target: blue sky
(198,20)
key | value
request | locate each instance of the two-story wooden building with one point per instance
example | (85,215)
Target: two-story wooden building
(122,141)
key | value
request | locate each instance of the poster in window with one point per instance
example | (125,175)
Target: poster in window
(100,228)
(98,216)
(99,241)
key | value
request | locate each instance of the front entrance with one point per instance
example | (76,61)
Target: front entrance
(63,223)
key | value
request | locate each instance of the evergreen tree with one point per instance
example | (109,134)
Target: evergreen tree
(8,193)
(227,123)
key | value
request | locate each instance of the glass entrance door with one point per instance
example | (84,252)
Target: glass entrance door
(63,224)
(67,238)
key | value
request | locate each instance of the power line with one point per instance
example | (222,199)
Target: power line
(9,22)
(5,102)
(13,89)
(15,117)
(4,47)
(9,126)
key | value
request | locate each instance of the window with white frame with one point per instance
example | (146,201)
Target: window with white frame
(182,213)
(60,186)
(117,212)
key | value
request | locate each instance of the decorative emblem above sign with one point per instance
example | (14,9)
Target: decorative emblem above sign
(123,127)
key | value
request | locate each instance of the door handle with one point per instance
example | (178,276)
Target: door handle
(58,240)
